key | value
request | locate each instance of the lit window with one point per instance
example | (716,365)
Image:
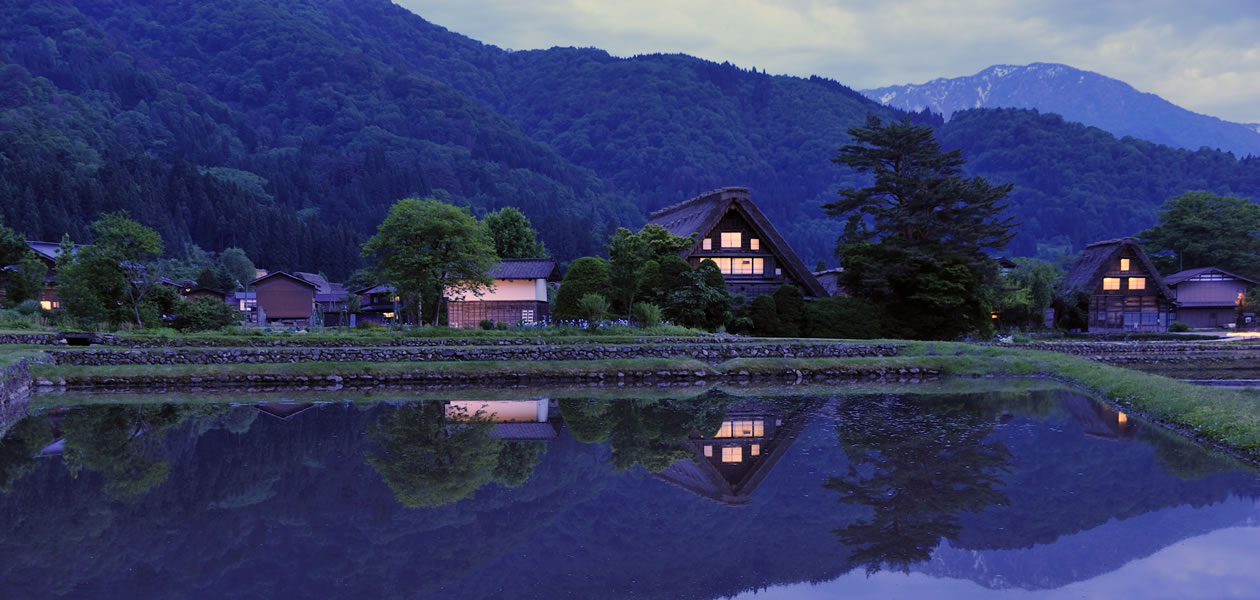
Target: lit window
(1124,264)
(1111,283)
(724,431)
(45,304)
(723,264)
(733,454)
(754,244)
(759,266)
(1137,283)
(778,272)
(1122,418)
(707,244)
(708,451)
(731,239)
(755,449)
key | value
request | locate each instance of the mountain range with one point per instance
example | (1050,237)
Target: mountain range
(288,127)
(1077,95)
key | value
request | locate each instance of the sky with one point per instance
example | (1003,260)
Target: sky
(1203,56)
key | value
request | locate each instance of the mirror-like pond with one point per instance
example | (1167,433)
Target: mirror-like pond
(1034,492)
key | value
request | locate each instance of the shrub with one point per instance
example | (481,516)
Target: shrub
(1178,326)
(485,324)
(593,308)
(849,318)
(369,325)
(204,314)
(646,314)
(587,275)
(789,303)
(28,308)
(765,316)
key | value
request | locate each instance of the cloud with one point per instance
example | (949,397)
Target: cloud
(1203,56)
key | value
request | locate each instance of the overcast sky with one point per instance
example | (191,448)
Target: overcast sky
(1204,56)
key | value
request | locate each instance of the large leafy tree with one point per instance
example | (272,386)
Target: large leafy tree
(1202,229)
(112,278)
(628,257)
(427,249)
(916,239)
(513,235)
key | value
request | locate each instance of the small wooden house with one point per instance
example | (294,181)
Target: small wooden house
(1208,296)
(518,295)
(1125,292)
(730,230)
(284,297)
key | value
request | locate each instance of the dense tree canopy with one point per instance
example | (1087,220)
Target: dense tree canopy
(427,249)
(1202,229)
(513,235)
(915,240)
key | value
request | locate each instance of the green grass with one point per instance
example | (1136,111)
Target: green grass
(1220,416)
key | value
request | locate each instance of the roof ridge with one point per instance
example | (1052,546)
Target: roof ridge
(705,196)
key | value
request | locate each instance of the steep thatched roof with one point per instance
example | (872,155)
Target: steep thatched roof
(1092,265)
(701,214)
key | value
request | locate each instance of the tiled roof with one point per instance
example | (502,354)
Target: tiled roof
(526,268)
(524,431)
(1181,276)
(282,274)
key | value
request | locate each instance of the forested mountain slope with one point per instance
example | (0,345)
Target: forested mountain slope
(288,127)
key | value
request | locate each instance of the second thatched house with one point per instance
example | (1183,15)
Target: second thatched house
(1120,289)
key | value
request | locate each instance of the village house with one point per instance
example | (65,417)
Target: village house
(47,253)
(1208,296)
(283,297)
(1125,292)
(732,232)
(518,295)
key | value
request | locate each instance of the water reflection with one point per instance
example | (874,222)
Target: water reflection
(547,498)
(917,467)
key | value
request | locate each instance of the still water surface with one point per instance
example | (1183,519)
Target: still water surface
(1040,493)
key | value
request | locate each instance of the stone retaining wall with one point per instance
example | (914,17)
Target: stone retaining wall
(431,380)
(711,353)
(15,394)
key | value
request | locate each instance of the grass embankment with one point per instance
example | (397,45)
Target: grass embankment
(1226,417)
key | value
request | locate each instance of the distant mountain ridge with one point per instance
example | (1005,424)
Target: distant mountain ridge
(1077,95)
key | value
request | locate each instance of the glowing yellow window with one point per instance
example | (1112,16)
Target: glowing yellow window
(724,431)
(724,265)
(733,454)
(1111,283)
(755,449)
(707,244)
(1137,283)
(754,244)
(45,304)
(1124,264)
(731,239)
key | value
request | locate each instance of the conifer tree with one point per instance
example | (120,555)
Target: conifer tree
(916,239)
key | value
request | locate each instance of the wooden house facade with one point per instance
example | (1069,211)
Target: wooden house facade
(518,295)
(283,297)
(1125,291)
(1208,296)
(732,232)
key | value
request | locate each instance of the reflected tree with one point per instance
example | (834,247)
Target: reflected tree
(647,432)
(123,443)
(917,465)
(517,461)
(428,461)
(19,447)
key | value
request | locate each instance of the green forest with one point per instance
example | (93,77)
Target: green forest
(288,128)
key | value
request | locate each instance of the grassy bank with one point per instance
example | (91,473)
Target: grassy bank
(1230,418)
